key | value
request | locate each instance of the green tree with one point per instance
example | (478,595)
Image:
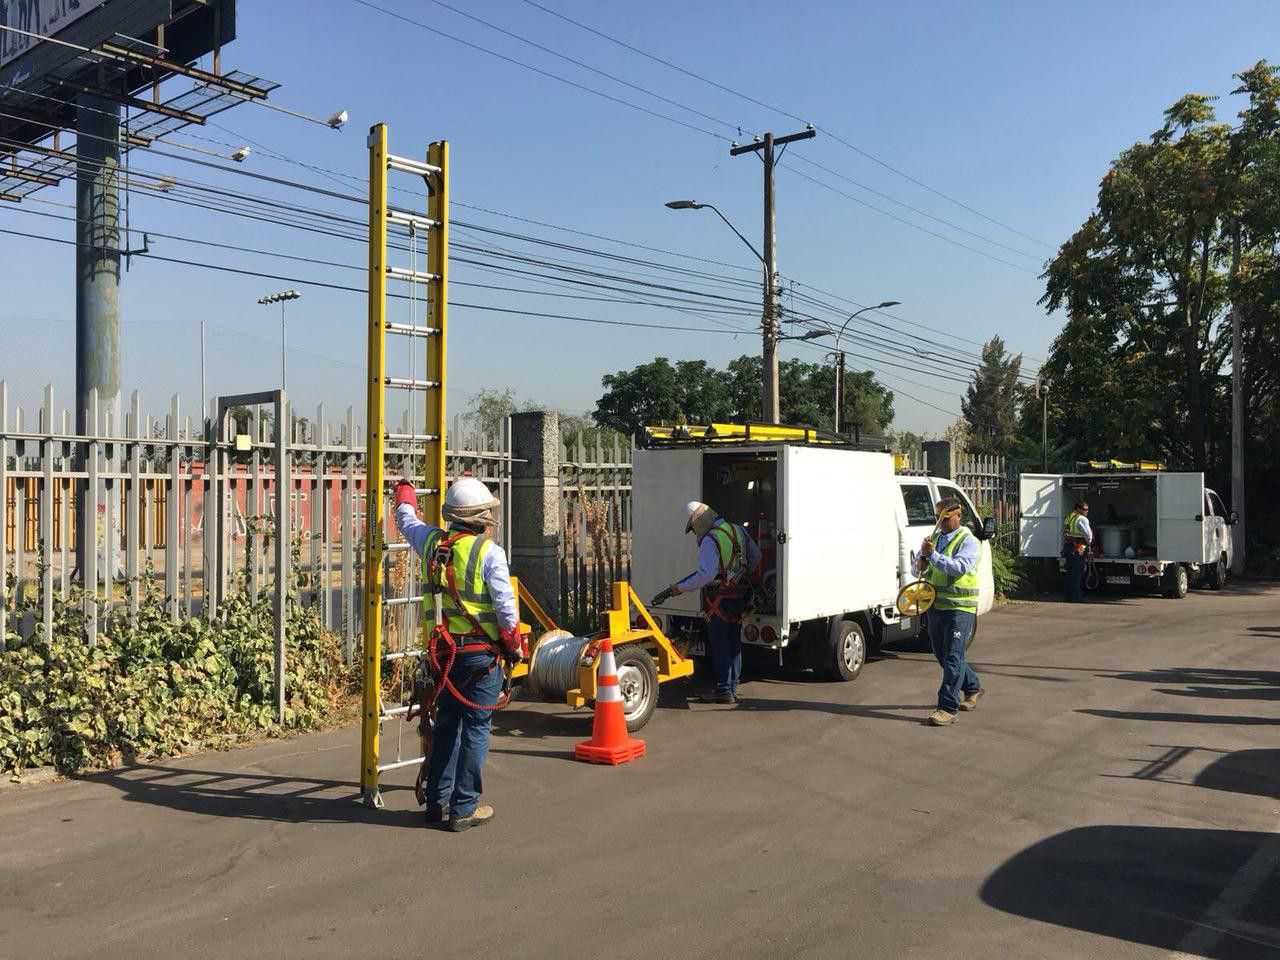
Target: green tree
(990,404)
(691,391)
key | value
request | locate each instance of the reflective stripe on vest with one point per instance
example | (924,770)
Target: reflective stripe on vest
(954,593)
(467,559)
(730,549)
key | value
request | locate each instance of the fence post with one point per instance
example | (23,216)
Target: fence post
(535,502)
(940,458)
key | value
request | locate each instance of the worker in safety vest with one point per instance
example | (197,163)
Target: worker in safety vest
(727,558)
(467,571)
(1077,536)
(949,561)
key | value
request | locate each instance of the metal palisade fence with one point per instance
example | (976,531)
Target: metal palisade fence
(153,483)
(595,523)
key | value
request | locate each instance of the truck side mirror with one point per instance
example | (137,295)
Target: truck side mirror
(988,528)
(1234,517)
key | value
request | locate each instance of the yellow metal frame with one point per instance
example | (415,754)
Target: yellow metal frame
(618,627)
(376,447)
(433,450)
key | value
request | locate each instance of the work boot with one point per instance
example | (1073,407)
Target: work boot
(941,718)
(437,814)
(726,698)
(970,701)
(477,817)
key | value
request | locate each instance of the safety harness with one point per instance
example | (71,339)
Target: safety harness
(435,665)
(730,587)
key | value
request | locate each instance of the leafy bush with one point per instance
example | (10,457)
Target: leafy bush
(1007,570)
(153,688)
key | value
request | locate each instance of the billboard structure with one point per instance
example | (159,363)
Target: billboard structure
(36,19)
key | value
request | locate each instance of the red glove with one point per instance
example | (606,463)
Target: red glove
(405,494)
(516,643)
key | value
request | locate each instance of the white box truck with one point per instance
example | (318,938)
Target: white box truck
(834,529)
(1150,528)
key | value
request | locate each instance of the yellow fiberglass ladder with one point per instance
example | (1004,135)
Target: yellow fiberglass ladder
(420,453)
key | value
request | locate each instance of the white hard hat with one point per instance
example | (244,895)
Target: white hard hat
(467,492)
(692,511)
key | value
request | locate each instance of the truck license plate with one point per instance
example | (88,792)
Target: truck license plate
(697,649)
(1119,579)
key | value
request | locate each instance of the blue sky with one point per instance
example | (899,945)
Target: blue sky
(1013,109)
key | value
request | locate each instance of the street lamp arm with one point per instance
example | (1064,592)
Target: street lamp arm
(749,244)
(857,313)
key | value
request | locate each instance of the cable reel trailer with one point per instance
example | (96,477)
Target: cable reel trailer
(562,667)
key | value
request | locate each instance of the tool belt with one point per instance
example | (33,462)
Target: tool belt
(729,592)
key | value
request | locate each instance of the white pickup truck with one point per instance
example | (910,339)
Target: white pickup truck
(835,526)
(1150,528)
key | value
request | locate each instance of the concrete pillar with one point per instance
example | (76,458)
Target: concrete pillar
(535,505)
(940,458)
(97,281)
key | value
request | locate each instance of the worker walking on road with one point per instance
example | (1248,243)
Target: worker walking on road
(727,557)
(1077,536)
(949,561)
(478,629)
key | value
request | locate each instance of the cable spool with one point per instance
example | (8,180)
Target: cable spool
(553,668)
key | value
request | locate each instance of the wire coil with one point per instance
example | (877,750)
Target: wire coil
(553,671)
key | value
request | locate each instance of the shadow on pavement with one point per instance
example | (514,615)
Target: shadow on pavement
(1182,717)
(868,711)
(252,796)
(1145,885)
(1255,772)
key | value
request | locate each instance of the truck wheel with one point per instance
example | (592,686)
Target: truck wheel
(848,651)
(1176,582)
(638,683)
(1217,576)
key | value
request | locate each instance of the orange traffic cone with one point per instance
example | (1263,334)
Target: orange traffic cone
(609,742)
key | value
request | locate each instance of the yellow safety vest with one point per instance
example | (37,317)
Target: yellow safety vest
(731,545)
(954,593)
(473,601)
(1071,526)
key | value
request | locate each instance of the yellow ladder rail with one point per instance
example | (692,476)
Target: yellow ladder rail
(426,447)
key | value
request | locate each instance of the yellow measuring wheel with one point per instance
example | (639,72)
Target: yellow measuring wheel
(916,597)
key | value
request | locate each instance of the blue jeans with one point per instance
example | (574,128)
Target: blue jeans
(949,632)
(724,645)
(1075,576)
(461,739)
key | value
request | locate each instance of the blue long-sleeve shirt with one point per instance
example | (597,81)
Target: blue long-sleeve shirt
(709,561)
(494,569)
(964,560)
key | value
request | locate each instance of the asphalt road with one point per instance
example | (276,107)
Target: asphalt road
(1116,795)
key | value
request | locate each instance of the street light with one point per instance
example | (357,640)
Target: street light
(768,311)
(840,358)
(1043,384)
(283,297)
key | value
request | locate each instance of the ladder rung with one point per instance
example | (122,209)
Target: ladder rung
(412,437)
(412,276)
(405,165)
(405,383)
(402,655)
(383,767)
(396,711)
(409,330)
(399,547)
(411,219)
(400,601)
(420,491)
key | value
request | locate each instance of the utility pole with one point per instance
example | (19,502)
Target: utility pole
(1237,415)
(839,417)
(769,311)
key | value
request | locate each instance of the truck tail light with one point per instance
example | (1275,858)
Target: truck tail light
(751,632)
(768,635)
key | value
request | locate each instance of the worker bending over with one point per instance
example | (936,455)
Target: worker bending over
(727,557)
(949,561)
(1077,535)
(468,572)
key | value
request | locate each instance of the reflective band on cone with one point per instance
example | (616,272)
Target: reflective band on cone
(609,742)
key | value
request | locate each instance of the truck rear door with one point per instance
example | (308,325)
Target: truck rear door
(1180,517)
(1040,522)
(662,482)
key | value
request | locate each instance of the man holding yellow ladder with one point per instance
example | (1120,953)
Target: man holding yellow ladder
(949,561)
